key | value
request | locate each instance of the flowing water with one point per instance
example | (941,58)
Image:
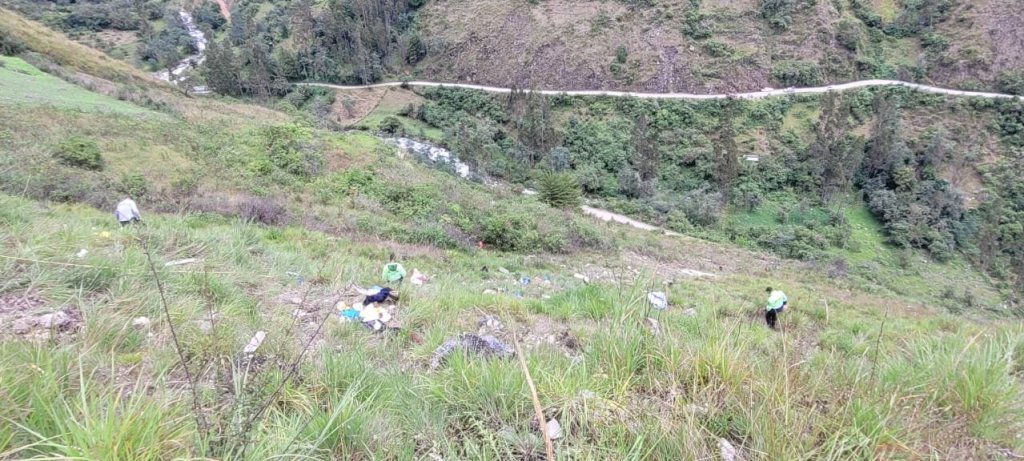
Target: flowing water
(199,41)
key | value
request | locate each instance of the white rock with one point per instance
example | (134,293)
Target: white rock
(141,322)
(81,253)
(181,262)
(728,451)
(658,299)
(690,312)
(54,320)
(255,342)
(554,429)
(582,277)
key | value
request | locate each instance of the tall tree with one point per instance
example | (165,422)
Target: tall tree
(221,69)
(835,154)
(726,152)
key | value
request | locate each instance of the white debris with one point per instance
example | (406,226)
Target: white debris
(180,262)
(690,312)
(141,322)
(696,273)
(529,192)
(81,253)
(582,277)
(255,342)
(728,451)
(554,429)
(503,270)
(658,299)
(418,278)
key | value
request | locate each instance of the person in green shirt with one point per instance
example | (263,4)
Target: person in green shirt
(393,272)
(777,301)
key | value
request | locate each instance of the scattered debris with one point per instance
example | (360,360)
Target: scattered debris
(57,319)
(658,300)
(81,253)
(554,429)
(696,273)
(691,312)
(484,345)
(524,281)
(255,342)
(582,277)
(503,270)
(374,317)
(418,278)
(529,192)
(490,292)
(141,322)
(381,295)
(180,262)
(299,313)
(728,451)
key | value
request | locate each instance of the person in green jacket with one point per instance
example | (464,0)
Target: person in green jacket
(777,301)
(393,272)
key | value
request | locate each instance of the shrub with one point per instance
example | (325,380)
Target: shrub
(560,190)
(80,153)
(1011,82)
(797,73)
(135,185)
(697,25)
(391,125)
(848,33)
(717,49)
(9,45)
(263,210)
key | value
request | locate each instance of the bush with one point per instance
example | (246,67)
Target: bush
(697,25)
(560,190)
(1011,82)
(391,125)
(717,49)
(9,45)
(80,153)
(797,73)
(134,185)
(848,33)
(263,210)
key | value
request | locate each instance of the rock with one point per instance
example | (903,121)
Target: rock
(503,270)
(554,430)
(81,253)
(299,313)
(728,451)
(141,322)
(487,346)
(255,342)
(658,300)
(295,300)
(490,324)
(696,410)
(54,320)
(690,312)
(582,277)
(22,326)
(490,292)
(654,326)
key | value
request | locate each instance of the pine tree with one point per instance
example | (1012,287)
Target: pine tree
(560,190)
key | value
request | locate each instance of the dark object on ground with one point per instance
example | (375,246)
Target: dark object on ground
(383,295)
(488,346)
(772,316)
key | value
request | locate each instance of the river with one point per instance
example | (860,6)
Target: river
(177,73)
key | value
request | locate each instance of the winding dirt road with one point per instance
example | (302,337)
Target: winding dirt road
(751,95)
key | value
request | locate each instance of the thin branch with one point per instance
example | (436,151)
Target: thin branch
(196,407)
(541,420)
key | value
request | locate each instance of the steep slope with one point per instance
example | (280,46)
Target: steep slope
(717,47)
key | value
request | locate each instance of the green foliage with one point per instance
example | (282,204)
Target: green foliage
(80,152)
(779,13)
(848,33)
(392,125)
(621,55)
(134,185)
(560,190)
(1011,82)
(697,25)
(716,49)
(287,149)
(10,45)
(797,73)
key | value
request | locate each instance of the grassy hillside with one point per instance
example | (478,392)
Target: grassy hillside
(268,221)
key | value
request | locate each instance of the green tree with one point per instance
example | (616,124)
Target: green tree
(560,190)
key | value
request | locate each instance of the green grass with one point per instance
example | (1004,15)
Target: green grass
(23,84)
(624,393)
